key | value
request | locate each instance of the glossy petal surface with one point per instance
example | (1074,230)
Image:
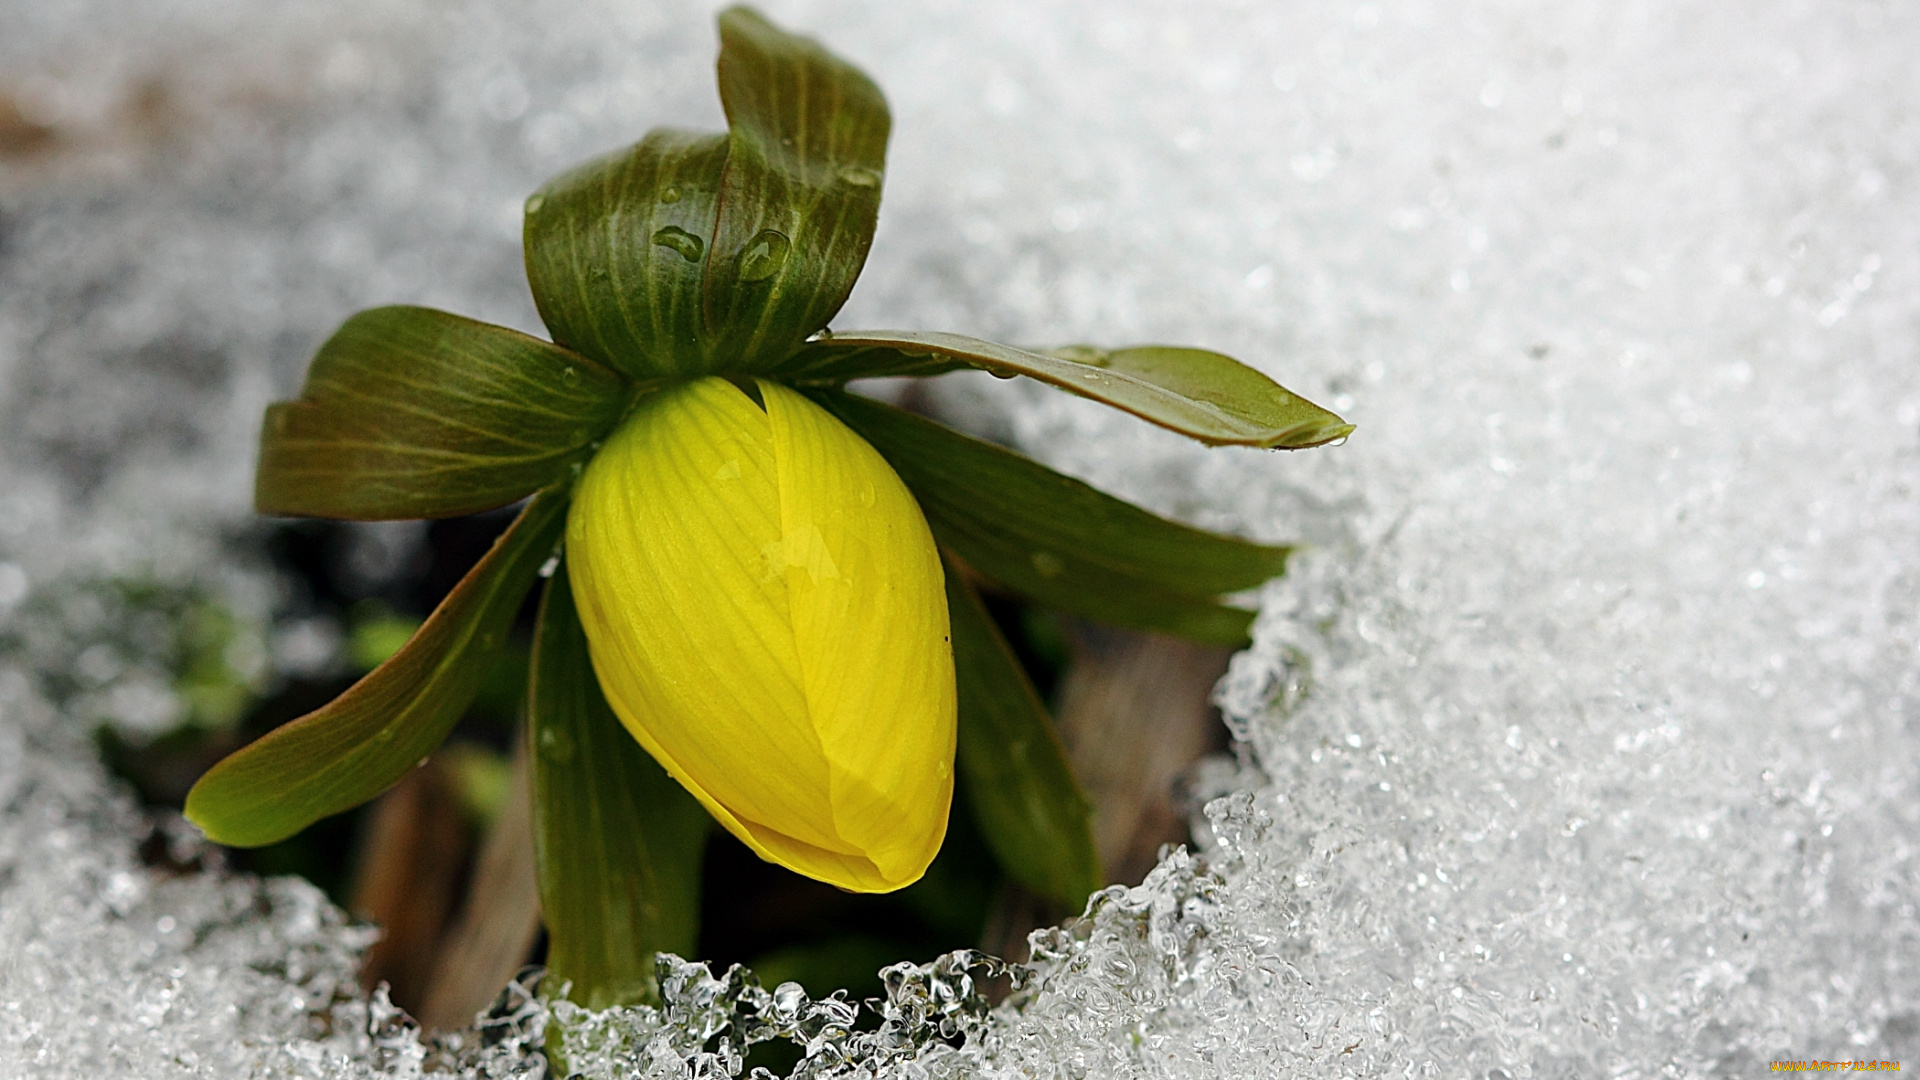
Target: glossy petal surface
(765,611)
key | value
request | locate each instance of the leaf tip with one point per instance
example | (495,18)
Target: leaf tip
(205,818)
(1308,436)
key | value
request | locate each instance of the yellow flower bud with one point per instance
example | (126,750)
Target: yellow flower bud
(766,613)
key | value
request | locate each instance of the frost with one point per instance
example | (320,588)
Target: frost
(1581,740)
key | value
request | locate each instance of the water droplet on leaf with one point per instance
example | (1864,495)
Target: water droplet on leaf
(534,204)
(764,255)
(670,195)
(1048,564)
(859,176)
(680,241)
(1000,374)
(570,376)
(556,744)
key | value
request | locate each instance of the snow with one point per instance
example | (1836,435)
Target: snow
(1581,742)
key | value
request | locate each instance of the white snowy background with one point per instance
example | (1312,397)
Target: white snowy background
(1583,741)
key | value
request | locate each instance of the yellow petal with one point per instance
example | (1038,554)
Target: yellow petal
(869,613)
(764,608)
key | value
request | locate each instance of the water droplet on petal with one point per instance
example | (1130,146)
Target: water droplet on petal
(764,255)
(866,495)
(859,176)
(679,241)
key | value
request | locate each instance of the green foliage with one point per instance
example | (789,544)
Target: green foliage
(685,255)
(617,842)
(369,737)
(1203,395)
(1064,543)
(375,633)
(692,254)
(410,412)
(1025,799)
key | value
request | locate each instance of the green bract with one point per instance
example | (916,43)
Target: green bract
(686,256)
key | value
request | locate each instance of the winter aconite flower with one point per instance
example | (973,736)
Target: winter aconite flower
(764,608)
(761,605)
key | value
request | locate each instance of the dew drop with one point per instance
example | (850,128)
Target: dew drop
(680,241)
(1048,564)
(534,204)
(859,176)
(556,744)
(670,195)
(999,374)
(866,495)
(764,255)
(570,376)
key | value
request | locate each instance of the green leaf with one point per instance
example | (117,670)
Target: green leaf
(1025,799)
(618,843)
(828,361)
(808,147)
(689,254)
(366,739)
(410,412)
(617,251)
(1203,395)
(1060,541)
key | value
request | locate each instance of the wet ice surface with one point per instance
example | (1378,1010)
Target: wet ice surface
(1581,743)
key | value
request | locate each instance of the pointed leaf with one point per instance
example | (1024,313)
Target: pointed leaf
(1060,541)
(617,251)
(369,737)
(1203,395)
(410,412)
(1025,798)
(808,145)
(618,843)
